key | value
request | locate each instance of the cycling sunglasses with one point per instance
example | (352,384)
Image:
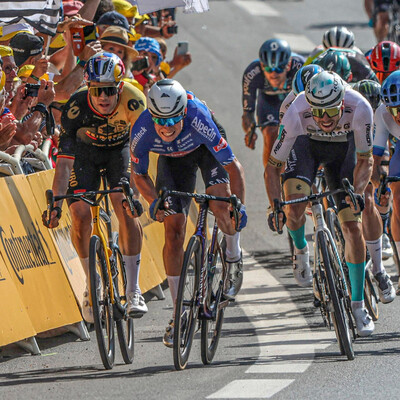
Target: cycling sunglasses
(168,121)
(395,111)
(331,112)
(107,90)
(278,70)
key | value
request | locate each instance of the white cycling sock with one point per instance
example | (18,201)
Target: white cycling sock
(85,265)
(233,250)
(132,267)
(375,251)
(357,304)
(173,283)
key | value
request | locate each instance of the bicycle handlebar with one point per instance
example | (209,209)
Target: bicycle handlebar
(199,198)
(384,180)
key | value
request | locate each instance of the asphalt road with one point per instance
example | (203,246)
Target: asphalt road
(273,343)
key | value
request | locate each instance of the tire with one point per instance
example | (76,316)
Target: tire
(370,296)
(341,320)
(211,329)
(125,326)
(103,313)
(186,309)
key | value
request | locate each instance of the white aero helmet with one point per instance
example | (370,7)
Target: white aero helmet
(166,99)
(325,90)
(338,36)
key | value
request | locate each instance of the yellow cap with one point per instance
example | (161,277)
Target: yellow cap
(25,71)
(126,9)
(2,80)
(6,51)
(140,19)
(58,42)
(165,67)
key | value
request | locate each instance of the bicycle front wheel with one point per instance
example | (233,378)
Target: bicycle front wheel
(125,326)
(340,317)
(211,329)
(103,314)
(186,308)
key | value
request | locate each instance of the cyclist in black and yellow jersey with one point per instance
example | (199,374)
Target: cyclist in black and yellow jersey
(95,129)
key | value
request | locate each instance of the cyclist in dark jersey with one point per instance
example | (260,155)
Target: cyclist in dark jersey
(266,83)
(180,128)
(95,127)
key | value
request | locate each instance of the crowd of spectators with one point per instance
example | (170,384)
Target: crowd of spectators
(39,73)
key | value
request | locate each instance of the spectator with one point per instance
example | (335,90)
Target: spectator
(9,31)
(10,69)
(7,124)
(178,62)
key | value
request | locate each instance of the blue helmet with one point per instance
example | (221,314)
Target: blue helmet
(303,75)
(104,67)
(275,53)
(390,91)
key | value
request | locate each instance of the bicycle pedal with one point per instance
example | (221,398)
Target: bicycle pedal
(136,315)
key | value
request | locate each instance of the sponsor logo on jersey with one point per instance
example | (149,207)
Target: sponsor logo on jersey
(134,159)
(222,144)
(282,134)
(204,129)
(137,137)
(368,134)
(248,78)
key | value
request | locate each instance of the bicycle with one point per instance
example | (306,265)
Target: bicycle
(203,279)
(384,180)
(329,278)
(106,273)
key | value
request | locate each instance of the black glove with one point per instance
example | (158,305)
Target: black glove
(360,199)
(273,216)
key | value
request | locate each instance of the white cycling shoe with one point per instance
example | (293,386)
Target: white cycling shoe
(365,325)
(301,268)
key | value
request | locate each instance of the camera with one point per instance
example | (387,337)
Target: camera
(142,63)
(172,29)
(31,89)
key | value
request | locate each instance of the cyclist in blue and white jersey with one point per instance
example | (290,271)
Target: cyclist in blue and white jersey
(181,129)
(266,82)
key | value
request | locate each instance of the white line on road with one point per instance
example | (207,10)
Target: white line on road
(286,343)
(257,8)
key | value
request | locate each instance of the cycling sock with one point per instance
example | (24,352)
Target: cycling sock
(173,283)
(299,238)
(357,304)
(375,251)
(357,277)
(233,251)
(132,267)
(85,265)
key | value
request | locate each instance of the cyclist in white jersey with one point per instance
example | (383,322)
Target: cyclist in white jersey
(331,125)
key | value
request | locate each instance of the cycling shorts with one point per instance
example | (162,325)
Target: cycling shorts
(85,175)
(394,165)
(179,173)
(337,158)
(268,109)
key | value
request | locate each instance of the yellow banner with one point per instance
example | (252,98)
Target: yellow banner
(32,259)
(15,323)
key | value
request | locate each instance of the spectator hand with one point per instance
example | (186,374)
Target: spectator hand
(41,67)
(164,29)
(90,50)
(7,132)
(46,92)
(74,22)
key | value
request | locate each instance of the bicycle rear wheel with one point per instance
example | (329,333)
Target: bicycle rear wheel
(340,316)
(370,296)
(186,309)
(103,314)
(125,326)
(211,329)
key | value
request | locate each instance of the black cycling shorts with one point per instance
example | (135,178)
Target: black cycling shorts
(89,160)
(338,160)
(179,173)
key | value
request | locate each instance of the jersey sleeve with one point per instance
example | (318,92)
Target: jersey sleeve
(139,145)
(135,101)
(250,82)
(289,129)
(381,132)
(70,122)
(363,120)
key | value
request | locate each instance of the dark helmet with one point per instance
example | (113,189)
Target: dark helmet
(303,75)
(275,53)
(371,90)
(333,60)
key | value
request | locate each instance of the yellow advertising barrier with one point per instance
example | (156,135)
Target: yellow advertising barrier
(32,260)
(15,322)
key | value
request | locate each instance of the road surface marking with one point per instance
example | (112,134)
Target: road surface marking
(257,8)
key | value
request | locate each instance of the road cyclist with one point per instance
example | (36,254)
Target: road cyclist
(328,124)
(95,127)
(181,129)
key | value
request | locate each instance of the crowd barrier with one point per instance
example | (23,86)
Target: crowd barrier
(41,278)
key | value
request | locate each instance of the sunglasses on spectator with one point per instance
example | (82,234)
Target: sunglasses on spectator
(330,112)
(168,121)
(395,111)
(278,70)
(107,90)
